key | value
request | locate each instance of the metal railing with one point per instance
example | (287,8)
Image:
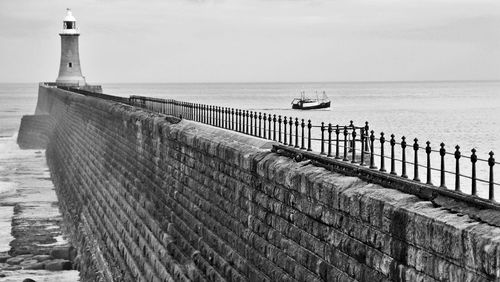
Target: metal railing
(350,149)
(401,162)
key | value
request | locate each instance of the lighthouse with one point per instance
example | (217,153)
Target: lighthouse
(70,73)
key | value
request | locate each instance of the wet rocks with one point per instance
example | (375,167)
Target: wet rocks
(58,264)
(60,258)
(41,258)
(35,266)
(63,252)
(4,257)
(15,260)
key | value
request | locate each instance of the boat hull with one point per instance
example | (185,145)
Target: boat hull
(304,106)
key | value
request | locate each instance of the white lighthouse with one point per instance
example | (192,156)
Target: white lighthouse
(70,73)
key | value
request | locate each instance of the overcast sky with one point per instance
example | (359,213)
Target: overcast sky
(255,40)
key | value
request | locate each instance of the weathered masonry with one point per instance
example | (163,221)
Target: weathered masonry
(147,197)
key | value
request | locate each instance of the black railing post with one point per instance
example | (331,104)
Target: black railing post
(211,115)
(354,144)
(302,124)
(415,164)
(264,131)
(235,120)
(242,121)
(247,122)
(269,119)
(367,128)
(457,168)
(442,153)
(491,183)
(290,123)
(279,128)
(201,112)
(251,124)
(296,132)
(260,124)
(214,115)
(204,109)
(233,126)
(228,118)
(284,130)
(351,125)
(255,123)
(473,159)
(274,127)
(204,116)
(345,144)
(330,129)
(337,132)
(322,138)
(309,126)
(219,119)
(403,158)
(224,117)
(372,149)
(428,151)
(382,157)
(362,138)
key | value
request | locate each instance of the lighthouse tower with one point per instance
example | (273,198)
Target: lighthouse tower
(70,73)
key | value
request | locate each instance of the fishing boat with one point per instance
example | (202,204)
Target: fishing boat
(306,103)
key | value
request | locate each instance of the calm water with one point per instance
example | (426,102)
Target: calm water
(465,113)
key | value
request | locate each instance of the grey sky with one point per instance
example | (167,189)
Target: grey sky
(255,40)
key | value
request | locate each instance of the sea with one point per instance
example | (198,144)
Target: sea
(464,113)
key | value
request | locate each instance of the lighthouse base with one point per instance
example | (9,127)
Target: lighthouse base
(71,81)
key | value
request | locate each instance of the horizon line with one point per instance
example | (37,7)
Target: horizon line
(276,82)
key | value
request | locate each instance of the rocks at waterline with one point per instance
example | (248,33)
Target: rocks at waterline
(60,258)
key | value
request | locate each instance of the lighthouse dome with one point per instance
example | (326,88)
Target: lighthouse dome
(69,16)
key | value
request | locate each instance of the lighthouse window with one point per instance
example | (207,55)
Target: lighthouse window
(69,25)
(70,64)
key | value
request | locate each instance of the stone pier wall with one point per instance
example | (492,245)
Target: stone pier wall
(151,198)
